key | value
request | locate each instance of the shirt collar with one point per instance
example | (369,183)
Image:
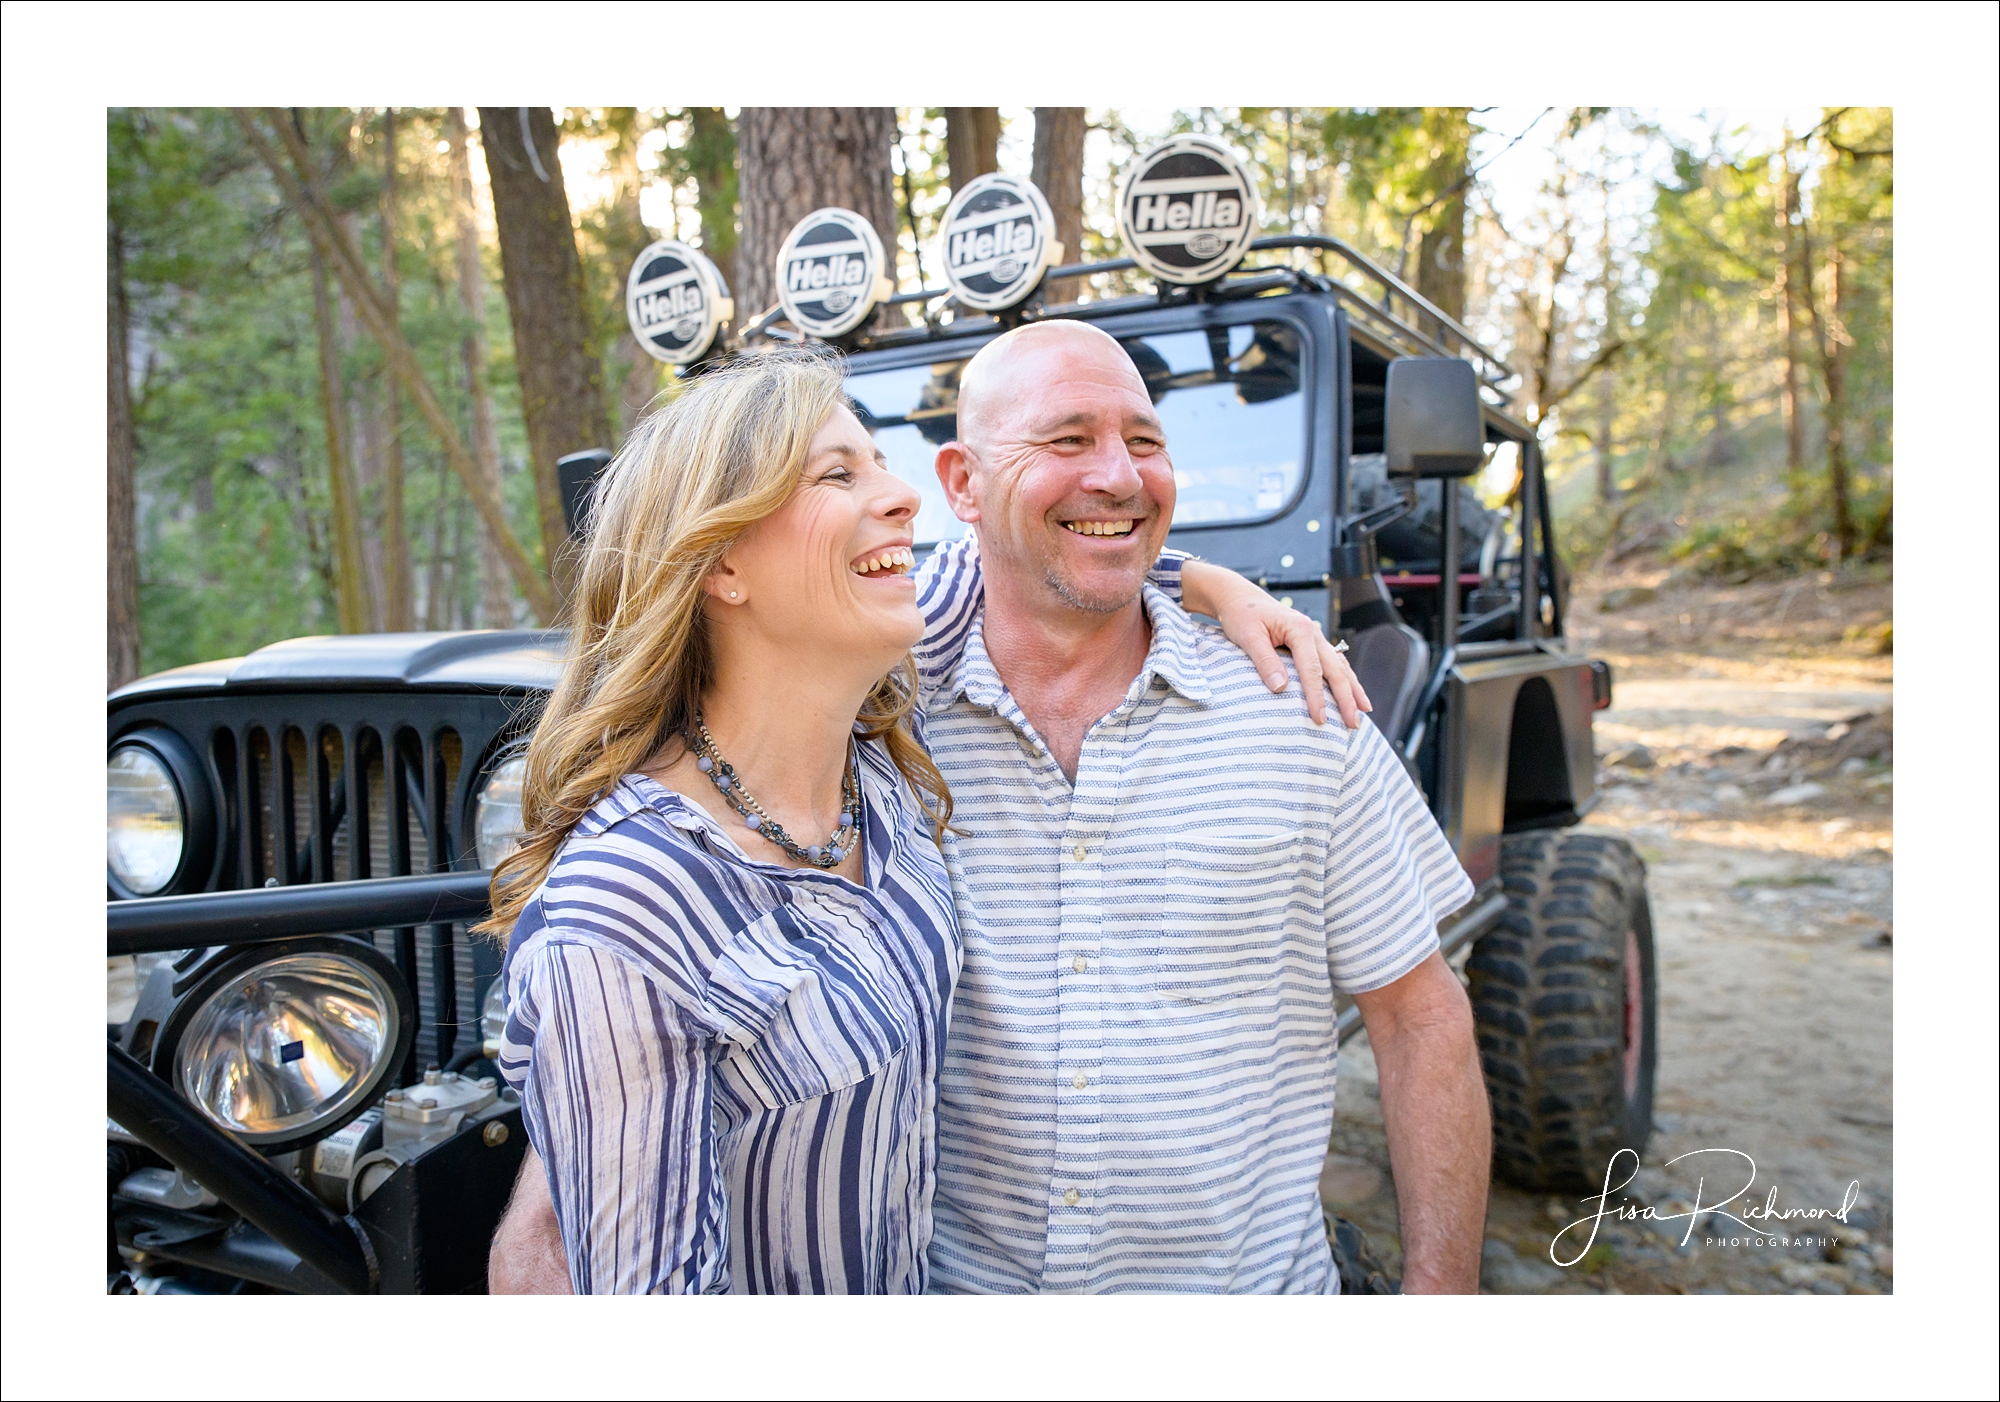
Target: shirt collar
(1174,657)
(885,818)
(630,794)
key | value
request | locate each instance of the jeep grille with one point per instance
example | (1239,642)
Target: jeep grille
(350,786)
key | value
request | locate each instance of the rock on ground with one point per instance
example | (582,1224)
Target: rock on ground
(1769,859)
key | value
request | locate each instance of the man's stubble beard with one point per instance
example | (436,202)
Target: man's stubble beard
(1060,587)
(1072,597)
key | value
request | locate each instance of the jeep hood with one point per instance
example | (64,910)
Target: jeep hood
(512,658)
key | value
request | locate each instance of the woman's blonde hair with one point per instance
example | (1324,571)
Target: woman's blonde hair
(689,481)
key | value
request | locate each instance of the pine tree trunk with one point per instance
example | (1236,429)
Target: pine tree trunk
(1830,334)
(971,144)
(436,612)
(316,552)
(1058,174)
(1836,340)
(121,455)
(397,611)
(711,154)
(350,590)
(1441,261)
(555,350)
(457,612)
(496,600)
(365,448)
(633,374)
(794,160)
(1788,309)
(1607,406)
(1441,251)
(360,399)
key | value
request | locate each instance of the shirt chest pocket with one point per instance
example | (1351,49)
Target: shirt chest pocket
(807,1011)
(1214,920)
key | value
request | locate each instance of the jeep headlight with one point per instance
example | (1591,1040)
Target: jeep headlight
(497,819)
(145,820)
(280,1044)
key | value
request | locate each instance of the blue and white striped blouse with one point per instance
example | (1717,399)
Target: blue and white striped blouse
(728,1066)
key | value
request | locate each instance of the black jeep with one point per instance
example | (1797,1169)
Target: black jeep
(300,1092)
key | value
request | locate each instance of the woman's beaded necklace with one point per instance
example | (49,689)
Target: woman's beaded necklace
(708,759)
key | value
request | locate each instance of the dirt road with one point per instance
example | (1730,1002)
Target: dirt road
(1753,773)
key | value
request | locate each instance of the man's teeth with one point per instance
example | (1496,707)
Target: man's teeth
(1100,527)
(900,560)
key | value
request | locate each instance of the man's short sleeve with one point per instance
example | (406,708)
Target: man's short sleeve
(1391,876)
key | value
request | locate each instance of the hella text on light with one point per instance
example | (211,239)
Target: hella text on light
(831,272)
(676,301)
(1187,211)
(998,240)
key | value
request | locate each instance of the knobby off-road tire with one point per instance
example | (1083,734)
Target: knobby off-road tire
(1565,997)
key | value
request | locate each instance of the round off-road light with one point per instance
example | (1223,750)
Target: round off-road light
(497,818)
(1187,212)
(831,273)
(675,301)
(283,1043)
(145,829)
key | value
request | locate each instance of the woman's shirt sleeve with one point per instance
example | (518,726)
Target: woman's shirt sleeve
(950,590)
(616,1098)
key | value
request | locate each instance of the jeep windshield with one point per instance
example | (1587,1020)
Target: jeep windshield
(1229,397)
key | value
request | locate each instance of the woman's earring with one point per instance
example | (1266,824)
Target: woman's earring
(732,593)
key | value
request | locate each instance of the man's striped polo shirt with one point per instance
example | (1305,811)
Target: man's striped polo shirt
(1138,1081)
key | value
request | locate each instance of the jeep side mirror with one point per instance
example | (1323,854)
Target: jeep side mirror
(1433,422)
(576,474)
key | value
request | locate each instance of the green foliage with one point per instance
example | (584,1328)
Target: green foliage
(1654,363)
(235,543)
(222,403)
(1688,437)
(923,191)
(1402,167)
(1736,549)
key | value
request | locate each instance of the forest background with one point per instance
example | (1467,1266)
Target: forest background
(347,345)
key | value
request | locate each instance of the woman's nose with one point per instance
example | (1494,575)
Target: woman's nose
(898,500)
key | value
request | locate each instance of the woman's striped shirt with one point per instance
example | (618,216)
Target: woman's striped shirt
(728,1066)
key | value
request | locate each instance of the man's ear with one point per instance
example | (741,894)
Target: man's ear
(954,470)
(725,585)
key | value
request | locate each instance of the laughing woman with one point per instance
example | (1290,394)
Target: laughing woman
(732,946)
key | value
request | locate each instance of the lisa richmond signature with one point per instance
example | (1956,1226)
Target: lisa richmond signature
(1737,1207)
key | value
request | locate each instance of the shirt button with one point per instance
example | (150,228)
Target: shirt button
(1079,963)
(1079,1080)
(1080,853)
(1072,1197)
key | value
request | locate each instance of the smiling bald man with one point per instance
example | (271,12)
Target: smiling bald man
(1163,873)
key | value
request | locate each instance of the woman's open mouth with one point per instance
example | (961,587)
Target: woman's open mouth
(1123,527)
(897,560)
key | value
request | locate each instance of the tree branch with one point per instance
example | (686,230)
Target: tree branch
(335,247)
(1597,362)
